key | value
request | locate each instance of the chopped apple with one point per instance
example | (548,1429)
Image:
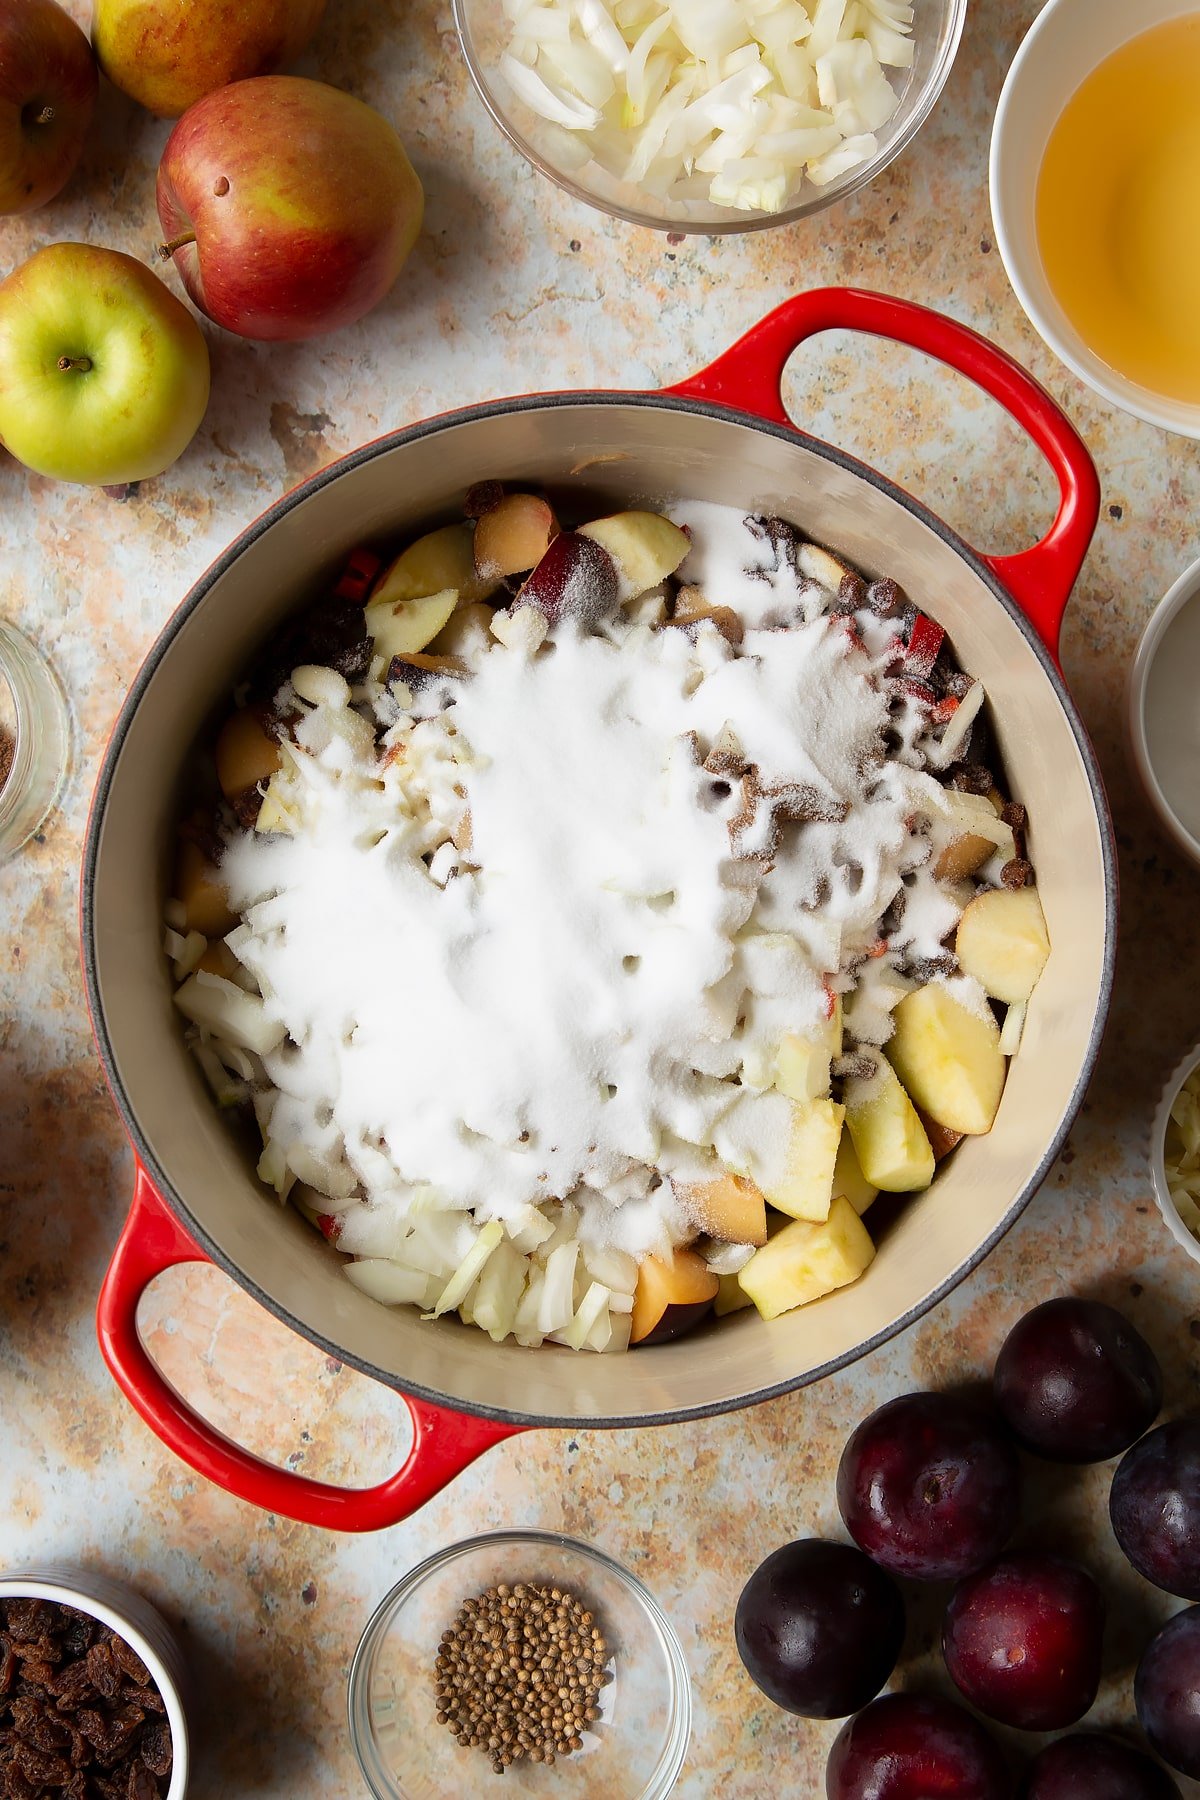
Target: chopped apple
(401,627)
(889,1141)
(466,632)
(948,1057)
(441,559)
(941,1141)
(645,547)
(962,856)
(671,1296)
(806,1260)
(731,1296)
(198,889)
(848,1178)
(819,566)
(513,537)
(786,1148)
(692,605)
(807,1190)
(244,754)
(729,1207)
(802,1068)
(1002,941)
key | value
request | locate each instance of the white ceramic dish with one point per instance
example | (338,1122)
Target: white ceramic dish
(143,1628)
(1163,711)
(1067,41)
(1158,1167)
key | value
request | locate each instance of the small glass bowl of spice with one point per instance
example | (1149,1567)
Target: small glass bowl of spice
(34,739)
(1175,1153)
(521,1655)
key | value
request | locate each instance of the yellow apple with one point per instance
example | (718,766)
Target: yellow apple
(103,373)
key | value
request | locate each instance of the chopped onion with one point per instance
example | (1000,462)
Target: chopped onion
(731,101)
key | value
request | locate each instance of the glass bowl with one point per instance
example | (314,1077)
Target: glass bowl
(35,739)
(484,32)
(637,1748)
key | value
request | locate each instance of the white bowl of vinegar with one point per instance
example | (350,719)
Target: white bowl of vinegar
(1095,190)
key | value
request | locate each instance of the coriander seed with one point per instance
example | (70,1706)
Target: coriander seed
(519,1673)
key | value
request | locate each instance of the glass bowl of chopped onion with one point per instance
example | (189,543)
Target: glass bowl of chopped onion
(710,116)
(1175,1153)
(431,1655)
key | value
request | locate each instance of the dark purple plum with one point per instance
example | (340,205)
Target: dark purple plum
(1023,1640)
(1166,1692)
(1154,1505)
(1092,1766)
(576,579)
(1076,1383)
(819,1628)
(909,1747)
(930,1486)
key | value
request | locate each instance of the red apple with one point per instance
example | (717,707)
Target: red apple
(167,55)
(48,85)
(288,206)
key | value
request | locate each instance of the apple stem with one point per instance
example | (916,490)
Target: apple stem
(81,363)
(167,251)
(45,117)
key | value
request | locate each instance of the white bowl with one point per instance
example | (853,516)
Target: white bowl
(1158,1166)
(134,1619)
(1067,41)
(1163,715)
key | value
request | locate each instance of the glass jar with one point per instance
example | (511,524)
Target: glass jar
(35,739)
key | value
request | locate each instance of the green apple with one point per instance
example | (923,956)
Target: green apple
(167,54)
(103,372)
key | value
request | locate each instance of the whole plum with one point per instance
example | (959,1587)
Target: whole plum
(930,1486)
(1090,1765)
(1154,1504)
(1023,1640)
(1075,1382)
(819,1628)
(1166,1692)
(912,1747)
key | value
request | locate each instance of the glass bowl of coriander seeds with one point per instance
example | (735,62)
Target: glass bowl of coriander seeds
(521,1662)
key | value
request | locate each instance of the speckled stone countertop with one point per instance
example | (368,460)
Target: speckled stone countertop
(514,287)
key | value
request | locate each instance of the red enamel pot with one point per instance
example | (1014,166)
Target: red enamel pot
(723,435)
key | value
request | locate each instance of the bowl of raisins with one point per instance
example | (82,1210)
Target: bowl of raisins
(91,1686)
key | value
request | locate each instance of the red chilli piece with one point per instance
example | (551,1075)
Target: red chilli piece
(945,710)
(358,576)
(920,690)
(924,641)
(330,1226)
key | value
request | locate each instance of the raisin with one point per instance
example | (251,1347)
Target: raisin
(483,497)
(885,598)
(104,1670)
(131,1663)
(8,1663)
(972,778)
(1014,814)
(43,1649)
(26,1619)
(155,1748)
(852,592)
(142,1785)
(44,1768)
(1017,873)
(71,1686)
(246,807)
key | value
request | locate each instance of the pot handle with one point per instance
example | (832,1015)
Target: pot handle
(444,1442)
(749,376)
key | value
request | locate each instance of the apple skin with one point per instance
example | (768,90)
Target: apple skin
(301,202)
(137,406)
(46,65)
(167,55)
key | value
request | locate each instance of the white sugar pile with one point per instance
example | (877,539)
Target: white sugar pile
(553,1005)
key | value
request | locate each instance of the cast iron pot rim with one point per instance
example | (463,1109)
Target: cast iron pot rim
(430,427)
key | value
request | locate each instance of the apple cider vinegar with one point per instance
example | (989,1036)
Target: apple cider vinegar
(1118,210)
